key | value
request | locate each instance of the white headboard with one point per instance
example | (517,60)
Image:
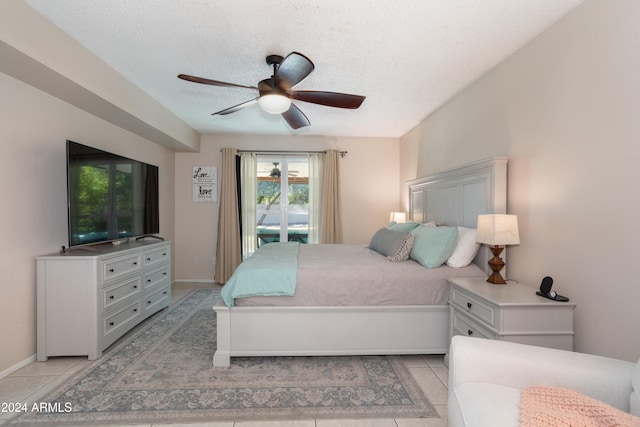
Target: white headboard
(458,196)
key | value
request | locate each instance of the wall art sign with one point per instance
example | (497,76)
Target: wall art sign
(205,184)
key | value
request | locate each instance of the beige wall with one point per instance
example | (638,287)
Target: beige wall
(35,51)
(565,110)
(33,214)
(52,89)
(369,175)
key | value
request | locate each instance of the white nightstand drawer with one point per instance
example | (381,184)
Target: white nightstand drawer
(469,304)
(465,326)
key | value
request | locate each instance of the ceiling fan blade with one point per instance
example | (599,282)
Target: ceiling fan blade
(295,117)
(330,99)
(292,70)
(235,108)
(204,81)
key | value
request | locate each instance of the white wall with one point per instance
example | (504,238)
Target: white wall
(33,215)
(565,110)
(369,185)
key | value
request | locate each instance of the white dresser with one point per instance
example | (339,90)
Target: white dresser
(86,300)
(511,312)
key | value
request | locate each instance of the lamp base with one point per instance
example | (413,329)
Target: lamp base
(496,263)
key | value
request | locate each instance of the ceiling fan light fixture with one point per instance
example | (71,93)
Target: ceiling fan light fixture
(277,91)
(274,103)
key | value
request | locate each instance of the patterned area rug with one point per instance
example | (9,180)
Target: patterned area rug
(162,372)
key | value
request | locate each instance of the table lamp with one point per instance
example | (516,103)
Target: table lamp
(497,231)
(399,217)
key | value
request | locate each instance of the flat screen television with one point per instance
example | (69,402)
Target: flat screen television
(109,197)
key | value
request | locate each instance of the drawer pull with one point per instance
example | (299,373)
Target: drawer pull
(164,254)
(164,293)
(111,297)
(149,259)
(470,332)
(164,274)
(469,305)
(135,262)
(148,280)
(111,323)
(135,286)
(148,302)
(111,270)
(135,310)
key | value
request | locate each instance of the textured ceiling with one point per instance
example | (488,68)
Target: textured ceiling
(407,57)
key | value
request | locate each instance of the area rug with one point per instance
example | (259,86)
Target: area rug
(162,373)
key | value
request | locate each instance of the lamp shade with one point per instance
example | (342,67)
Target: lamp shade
(274,103)
(498,230)
(399,217)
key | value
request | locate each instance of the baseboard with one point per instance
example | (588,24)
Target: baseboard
(194,281)
(17,366)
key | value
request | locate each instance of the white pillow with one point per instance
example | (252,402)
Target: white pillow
(635,396)
(465,250)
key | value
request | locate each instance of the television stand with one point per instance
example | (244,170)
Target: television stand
(153,236)
(86,301)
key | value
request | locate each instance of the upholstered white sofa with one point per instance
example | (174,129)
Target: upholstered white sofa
(486,378)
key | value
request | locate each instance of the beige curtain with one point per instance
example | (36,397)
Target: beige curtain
(330,214)
(228,252)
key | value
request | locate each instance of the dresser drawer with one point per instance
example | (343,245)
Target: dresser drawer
(157,300)
(120,318)
(156,256)
(462,325)
(470,304)
(115,268)
(156,278)
(121,291)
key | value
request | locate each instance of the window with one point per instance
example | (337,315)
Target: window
(282,199)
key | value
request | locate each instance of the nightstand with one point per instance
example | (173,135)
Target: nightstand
(511,312)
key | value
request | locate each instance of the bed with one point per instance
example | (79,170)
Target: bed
(284,326)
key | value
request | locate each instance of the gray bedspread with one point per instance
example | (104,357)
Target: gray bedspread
(350,275)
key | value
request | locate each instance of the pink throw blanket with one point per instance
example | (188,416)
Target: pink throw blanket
(555,406)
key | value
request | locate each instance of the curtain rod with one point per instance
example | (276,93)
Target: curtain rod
(342,153)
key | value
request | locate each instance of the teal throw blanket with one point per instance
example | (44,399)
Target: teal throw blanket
(270,271)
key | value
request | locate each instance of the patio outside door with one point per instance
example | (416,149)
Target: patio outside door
(282,211)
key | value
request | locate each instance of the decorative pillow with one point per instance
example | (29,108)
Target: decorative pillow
(433,245)
(635,396)
(394,245)
(466,248)
(404,227)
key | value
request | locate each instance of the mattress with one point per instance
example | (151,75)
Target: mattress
(351,275)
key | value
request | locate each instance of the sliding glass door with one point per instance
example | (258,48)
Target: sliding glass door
(282,210)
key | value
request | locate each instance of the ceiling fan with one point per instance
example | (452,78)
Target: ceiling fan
(276,92)
(275,172)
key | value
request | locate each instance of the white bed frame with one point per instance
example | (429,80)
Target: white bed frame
(454,197)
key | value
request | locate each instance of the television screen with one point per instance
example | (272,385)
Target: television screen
(110,197)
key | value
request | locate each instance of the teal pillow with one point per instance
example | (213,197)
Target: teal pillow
(404,227)
(432,246)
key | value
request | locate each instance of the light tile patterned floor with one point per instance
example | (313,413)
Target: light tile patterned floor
(32,382)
